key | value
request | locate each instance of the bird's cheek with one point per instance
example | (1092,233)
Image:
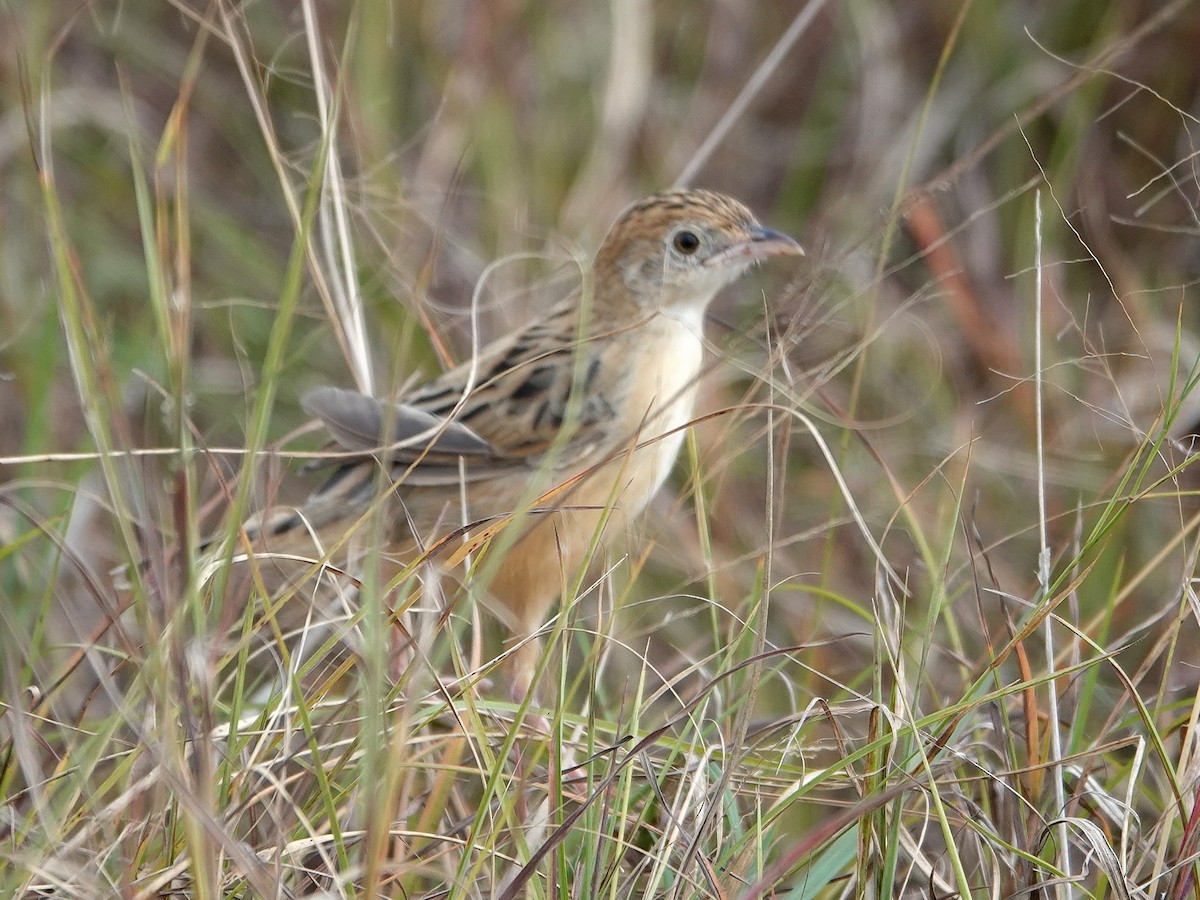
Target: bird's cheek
(644,279)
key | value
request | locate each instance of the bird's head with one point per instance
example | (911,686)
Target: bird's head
(674,251)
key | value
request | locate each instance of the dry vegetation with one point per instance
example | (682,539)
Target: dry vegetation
(916,614)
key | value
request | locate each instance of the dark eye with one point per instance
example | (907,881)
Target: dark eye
(686,242)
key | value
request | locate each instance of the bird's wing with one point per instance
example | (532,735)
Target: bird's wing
(520,391)
(362,423)
(490,419)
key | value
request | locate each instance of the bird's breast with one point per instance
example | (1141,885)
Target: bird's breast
(657,367)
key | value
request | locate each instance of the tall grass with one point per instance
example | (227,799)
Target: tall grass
(915,615)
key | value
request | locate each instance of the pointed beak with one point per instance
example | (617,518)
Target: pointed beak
(760,243)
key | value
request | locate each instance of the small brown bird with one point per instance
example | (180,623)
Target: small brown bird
(576,416)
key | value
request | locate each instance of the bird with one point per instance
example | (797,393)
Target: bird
(557,429)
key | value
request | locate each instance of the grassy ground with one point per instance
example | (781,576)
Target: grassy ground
(915,615)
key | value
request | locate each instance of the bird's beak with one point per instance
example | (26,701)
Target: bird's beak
(760,243)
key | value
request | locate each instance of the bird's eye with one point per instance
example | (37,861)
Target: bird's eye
(686,242)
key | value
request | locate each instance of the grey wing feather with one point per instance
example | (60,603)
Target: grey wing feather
(357,422)
(506,423)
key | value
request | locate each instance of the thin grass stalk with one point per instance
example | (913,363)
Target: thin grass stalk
(1065,889)
(334,228)
(754,84)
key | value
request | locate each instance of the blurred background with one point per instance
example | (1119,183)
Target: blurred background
(947,166)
